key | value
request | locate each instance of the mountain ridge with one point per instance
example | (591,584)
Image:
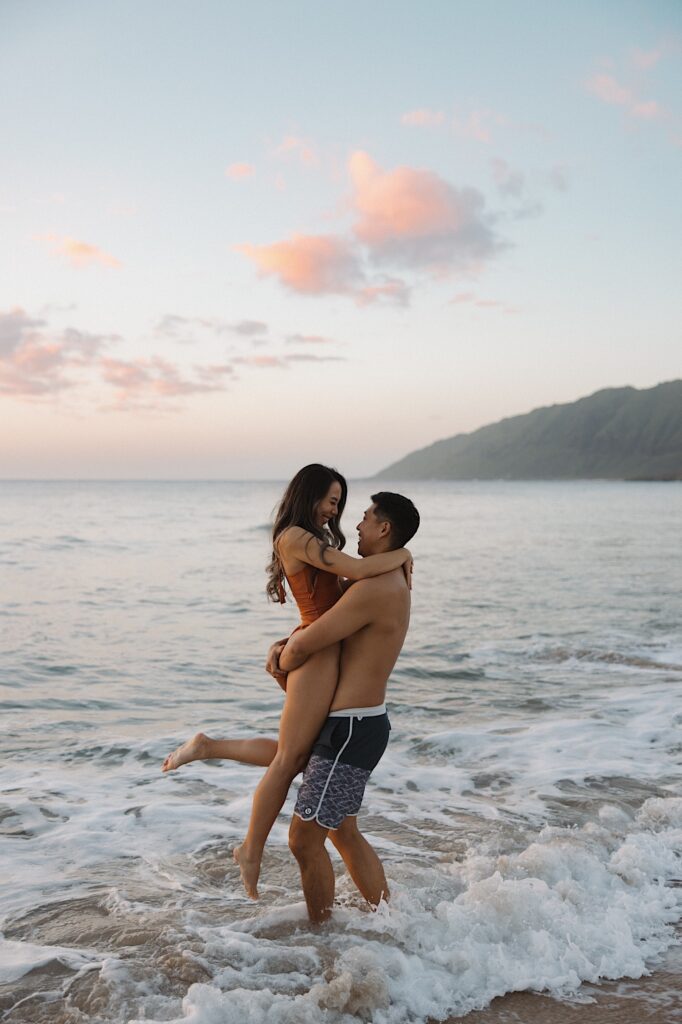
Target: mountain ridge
(615,433)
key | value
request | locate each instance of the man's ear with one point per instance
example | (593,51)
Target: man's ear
(385,528)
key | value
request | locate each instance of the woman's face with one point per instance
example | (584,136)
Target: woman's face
(327,507)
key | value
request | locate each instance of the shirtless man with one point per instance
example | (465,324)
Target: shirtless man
(371,619)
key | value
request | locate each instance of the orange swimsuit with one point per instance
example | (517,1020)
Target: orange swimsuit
(315,592)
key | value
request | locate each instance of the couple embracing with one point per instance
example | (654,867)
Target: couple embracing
(334,669)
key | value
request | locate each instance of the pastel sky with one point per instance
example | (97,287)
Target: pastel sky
(239,237)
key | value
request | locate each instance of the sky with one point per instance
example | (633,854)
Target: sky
(240,237)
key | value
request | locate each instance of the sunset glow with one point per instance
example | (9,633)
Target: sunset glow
(220,224)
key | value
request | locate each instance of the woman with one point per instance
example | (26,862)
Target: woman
(307,553)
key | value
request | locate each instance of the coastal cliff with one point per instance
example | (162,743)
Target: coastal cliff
(617,434)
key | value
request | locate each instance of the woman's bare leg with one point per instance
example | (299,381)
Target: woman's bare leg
(260,751)
(310,690)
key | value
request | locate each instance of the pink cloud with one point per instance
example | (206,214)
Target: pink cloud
(648,110)
(472,298)
(415,218)
(406,219)
(264,362)
(645,59)
(308,264)
(79,254)
(308,339)
(239,171)
(608,90)
(274,362)
(36,362)
(478,125)
(301,149)
(156,378)
(392,290)
(423,118)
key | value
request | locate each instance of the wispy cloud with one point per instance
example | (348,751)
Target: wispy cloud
(423,118)
(35,361)
(284,362)
(478,124)
(38,362)
(388,289)
(264,362)
(606,88)
(77,253)
(147,380)
(645,59)
(180,327)
(558,177)
(510,182)
(470,298)
(249,328)
(240,171)
(302,150)
(308,339)
(312,357)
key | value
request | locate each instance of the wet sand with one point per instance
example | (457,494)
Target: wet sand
(656,999)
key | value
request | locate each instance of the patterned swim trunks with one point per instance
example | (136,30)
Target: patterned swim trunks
(348,749)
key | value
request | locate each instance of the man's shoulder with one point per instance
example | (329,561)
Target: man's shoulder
(389,586)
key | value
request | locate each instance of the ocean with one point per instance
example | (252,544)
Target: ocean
(528,809)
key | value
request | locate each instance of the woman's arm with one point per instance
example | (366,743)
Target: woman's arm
(305,546)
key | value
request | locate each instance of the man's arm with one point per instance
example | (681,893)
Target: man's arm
(350,613)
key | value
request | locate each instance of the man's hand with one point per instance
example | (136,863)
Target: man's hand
(272,663)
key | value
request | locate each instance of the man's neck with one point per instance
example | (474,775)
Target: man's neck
(378,549)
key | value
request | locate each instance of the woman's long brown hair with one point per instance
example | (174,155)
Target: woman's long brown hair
(297,508)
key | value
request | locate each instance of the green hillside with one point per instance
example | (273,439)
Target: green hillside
(615,434)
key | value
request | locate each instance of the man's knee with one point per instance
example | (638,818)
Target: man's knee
(347,835)
(306,838)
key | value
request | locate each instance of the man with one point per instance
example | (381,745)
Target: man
(371,619)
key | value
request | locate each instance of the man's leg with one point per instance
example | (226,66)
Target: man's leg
(363,864)
(306,842)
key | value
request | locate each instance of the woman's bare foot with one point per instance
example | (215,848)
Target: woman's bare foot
(249,869)
(193,750)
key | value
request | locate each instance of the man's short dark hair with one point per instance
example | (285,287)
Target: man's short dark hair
(400,513)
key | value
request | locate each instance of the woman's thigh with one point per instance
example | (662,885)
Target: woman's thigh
(310,690)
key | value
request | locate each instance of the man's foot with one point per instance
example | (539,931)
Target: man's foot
(193,750)
(249,869)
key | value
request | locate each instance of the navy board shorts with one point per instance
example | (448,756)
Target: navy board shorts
(346,752)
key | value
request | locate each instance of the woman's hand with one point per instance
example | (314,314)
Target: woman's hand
(408,567)
(272,663)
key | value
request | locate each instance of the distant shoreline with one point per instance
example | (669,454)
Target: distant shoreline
(355,479)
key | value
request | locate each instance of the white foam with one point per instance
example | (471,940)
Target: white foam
(575,906)
(18,958)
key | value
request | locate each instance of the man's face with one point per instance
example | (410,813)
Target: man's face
(371,531)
